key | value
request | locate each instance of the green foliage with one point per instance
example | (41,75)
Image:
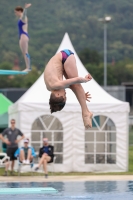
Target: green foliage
(4,81)
(18,81)
(117,73)
(29,79)
(90,56)
(49,20)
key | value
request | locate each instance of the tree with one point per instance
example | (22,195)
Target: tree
(90,56)
(19,81)
(121,71)
(5,81)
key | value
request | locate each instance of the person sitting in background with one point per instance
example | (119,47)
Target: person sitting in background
(46,153)
(25,153)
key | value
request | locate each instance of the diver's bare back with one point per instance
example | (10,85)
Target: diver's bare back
(53,71)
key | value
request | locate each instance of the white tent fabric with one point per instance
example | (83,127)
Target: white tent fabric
(34,103)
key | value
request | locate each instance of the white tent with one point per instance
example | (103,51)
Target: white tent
(102,148)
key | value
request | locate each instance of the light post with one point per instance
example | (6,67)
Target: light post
(105,20)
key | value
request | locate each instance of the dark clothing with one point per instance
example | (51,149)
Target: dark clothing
(12,136)
(65,54)
(10,152)
(25,152)
(20,28)
(45,149)
(49,150)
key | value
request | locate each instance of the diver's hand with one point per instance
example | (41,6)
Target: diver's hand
(88,96)
(88,77)
(27,5)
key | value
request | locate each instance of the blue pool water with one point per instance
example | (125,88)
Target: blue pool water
(99,190)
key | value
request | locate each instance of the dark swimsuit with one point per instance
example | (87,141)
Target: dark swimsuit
(65,54)
(20,25)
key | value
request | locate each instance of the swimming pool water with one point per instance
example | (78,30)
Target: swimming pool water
(97,190)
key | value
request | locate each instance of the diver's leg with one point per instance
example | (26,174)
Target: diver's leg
(23,43)
(71,72)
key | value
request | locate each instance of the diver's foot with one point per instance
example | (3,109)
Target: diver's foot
(27,70)
(87,119)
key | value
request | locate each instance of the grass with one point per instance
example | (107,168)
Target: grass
(129,172)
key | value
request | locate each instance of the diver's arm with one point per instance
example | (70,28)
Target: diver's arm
(24,14)
(25,11)
(68,82)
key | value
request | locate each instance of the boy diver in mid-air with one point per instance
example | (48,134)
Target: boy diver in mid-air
(64,63)
(23,33)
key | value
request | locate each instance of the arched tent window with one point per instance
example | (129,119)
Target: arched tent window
(48,126)
(100,142)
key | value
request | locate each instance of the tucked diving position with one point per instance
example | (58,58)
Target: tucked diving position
(64,64)
(23,33)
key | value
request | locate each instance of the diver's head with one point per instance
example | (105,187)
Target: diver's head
(57,100)
(18,11)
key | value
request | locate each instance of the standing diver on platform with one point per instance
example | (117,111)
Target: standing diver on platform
(23,33)
(64,63)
